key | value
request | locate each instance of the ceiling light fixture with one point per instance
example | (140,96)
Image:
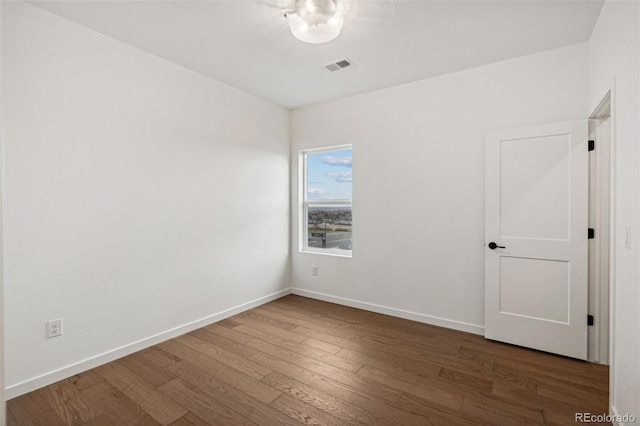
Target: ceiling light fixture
(316,21)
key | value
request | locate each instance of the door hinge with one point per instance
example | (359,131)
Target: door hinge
(589,319)
(591,233)
(592,145)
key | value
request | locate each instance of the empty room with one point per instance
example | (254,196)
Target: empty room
(320,212)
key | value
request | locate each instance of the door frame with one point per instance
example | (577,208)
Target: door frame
(607,106)
(600,219)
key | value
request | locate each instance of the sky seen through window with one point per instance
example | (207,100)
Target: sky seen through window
(329,175)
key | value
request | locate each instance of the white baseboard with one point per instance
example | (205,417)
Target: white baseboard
(95,361)
(615,414)
(618,419)
(400,313)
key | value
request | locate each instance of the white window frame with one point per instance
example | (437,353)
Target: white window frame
(306,203)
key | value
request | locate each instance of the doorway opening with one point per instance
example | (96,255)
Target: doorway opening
(600,220)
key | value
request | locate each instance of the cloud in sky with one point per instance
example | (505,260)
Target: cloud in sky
(316,191)
(337,161)
(341,176)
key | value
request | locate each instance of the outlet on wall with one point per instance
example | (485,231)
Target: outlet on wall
(54,328)
(314,270)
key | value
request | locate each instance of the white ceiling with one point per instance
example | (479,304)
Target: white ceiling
(247,43)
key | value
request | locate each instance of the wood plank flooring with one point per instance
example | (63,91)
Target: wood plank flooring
(301,361)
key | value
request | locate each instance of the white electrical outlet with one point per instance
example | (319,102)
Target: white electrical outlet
(314,271)
(54,328)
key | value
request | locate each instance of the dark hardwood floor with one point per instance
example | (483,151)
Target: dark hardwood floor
(301,361)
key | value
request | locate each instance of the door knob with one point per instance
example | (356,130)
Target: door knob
(494,246)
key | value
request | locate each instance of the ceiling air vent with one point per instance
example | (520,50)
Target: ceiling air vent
(339,65)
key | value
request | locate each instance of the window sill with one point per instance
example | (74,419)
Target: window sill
(328,252)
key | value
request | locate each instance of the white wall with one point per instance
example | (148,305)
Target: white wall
(613,55)
(2,404)
(418,170)
(140,197)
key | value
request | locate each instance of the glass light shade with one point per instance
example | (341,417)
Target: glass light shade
(316,21)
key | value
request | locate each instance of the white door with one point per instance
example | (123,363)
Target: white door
(536,214)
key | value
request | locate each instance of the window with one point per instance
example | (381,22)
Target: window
(326,210)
